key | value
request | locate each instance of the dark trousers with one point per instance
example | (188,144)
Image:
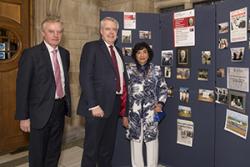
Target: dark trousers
(45,143)
(100,134)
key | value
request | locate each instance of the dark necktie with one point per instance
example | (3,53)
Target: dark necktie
(118,86)
(57,74)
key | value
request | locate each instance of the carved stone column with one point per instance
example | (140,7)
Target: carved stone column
(40,12)
(53,8)
(42,9)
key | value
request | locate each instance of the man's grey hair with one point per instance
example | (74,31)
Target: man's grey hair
(110,19)
(51,19)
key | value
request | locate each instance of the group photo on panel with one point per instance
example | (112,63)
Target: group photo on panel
(134,93)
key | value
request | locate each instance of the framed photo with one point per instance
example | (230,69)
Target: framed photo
(237,54)
(184,111)
(170,91)
(223,27)
(126,36)
(237,101)
(184,94)
(144,34)
(206,95)
(167,72)
(183,73)
(221,95)
(248,27)
(166,57)
(206,57)
(223,43)
(220,72)
(126,51)
(183,57)
(202,75)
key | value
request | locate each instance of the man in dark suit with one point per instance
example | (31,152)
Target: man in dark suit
(43,95)
(102,82)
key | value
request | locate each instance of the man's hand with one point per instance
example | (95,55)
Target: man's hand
(125,122)
(25,125)
(97,112)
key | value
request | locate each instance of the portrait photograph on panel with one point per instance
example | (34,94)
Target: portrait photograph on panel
(237,101)
(237,54)
(167,72)
(206,57)
(183,57)
(220,72)
(223,43)
(184,94)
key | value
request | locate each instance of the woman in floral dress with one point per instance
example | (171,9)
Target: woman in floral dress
(147,94)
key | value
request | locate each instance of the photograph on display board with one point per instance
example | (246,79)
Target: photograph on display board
(206,57)
(223,27)
(184,94)
(184,111)
(237,54)
(202,75)
(206,95)
(223,43)
(170,91)
(126,36)
(237,101)
(220,72)
(236,123)
(126,51)
(185,132)
(248,28)
(167,72)
(183,57)
(221,95)
(166,57)
(144,34)
(183,73)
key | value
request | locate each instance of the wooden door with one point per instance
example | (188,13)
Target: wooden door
(14,37)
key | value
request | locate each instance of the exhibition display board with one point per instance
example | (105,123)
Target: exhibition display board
(206,121)
(232,146)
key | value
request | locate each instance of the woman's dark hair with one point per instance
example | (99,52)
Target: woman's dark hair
(140,46)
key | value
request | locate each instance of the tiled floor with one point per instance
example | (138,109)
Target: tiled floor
(71,157)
